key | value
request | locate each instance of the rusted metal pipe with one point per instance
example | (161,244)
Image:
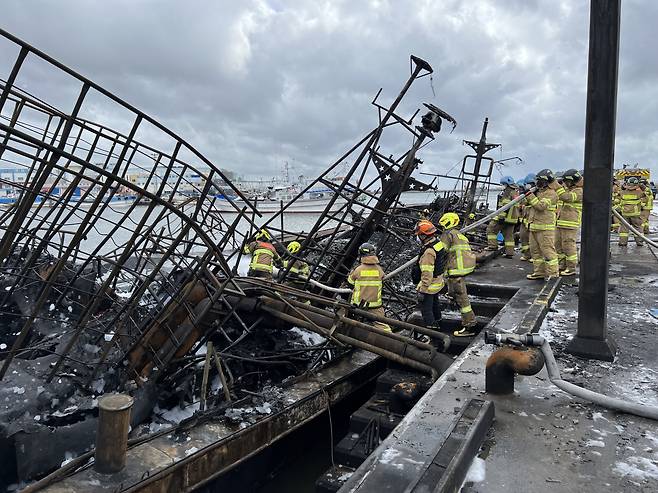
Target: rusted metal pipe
(396,347)
(507,361)
(112,436)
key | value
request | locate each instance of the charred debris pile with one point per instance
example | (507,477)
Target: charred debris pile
(112,285)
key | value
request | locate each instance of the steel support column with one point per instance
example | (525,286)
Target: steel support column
(592,340)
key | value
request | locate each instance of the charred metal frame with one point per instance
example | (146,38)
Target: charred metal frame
(80,214)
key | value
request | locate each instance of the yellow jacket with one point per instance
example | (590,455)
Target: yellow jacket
(570,206)
(461,260)
(510,216)
(543,206)
(632,197)
(367,283)
(431,282)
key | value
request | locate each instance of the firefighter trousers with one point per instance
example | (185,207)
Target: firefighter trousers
(507,229)
(430,308)
(379,311)
(645,220)
(544,255)
(261,274)
(567,251)
(636,222)
(524,236)
(457,291)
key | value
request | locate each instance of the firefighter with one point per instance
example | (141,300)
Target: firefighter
(632,197)
(505,221)
(427,273)
(263,256)
(569,215)
(647,205)
(460,262)
(524,232)
(367,281)
(541,220)
(299,271)
(616,205)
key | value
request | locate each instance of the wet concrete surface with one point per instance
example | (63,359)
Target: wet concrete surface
(544,439)
(548,440)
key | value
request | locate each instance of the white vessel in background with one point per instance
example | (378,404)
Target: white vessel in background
(313,201)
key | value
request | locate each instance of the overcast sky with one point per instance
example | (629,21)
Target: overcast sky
(254,83)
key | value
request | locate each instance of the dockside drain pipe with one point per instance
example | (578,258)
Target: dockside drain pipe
(615,404)
(413,260)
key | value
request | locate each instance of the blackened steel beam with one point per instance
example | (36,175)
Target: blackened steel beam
(592,339)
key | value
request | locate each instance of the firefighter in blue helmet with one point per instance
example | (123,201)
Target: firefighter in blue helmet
(505,221)
(524,231)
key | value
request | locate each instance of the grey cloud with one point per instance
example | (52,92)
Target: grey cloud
(252,84)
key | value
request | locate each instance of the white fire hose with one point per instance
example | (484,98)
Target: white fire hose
(633,230)
(636,408)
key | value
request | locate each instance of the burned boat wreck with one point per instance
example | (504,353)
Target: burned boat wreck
(144,297)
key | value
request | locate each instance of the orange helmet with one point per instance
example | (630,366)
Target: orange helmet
(425,228)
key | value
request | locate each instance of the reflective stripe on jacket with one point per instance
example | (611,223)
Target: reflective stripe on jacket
(570,207)
(631,201)
(431,262)
(367,282)
(262,255)
(461,260)
(543,208)
(298,268)
(511,215)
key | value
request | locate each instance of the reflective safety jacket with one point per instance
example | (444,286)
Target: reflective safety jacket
(647,205)
(616,197)
(431,264)
(570,206)
(263,255)
(367,281)
(632,197)
(511,216)
(299,270)
(461,260)
(542,210)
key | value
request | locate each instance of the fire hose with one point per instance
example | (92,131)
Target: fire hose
(413,260)
(553,370)
(632,229)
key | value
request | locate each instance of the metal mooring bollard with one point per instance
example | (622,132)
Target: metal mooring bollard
(112,435)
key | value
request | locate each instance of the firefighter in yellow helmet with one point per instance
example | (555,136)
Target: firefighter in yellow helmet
(647,205)
(460,263)
(298,270)
(427,273)
(263,256)
(632,197)
(569,216)
(541,220)
(367,281)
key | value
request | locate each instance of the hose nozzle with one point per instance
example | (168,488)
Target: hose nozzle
(513,339)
